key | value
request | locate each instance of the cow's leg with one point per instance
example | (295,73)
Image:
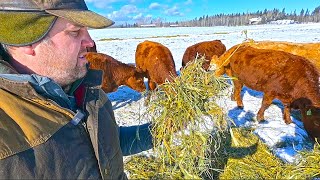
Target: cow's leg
(237,92)
(286,114)
(266,102)
(150,88)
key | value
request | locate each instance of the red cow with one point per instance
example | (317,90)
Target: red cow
(291,79)
(156,62)
(311,117)
(311,51)
(207,49)
(115,73)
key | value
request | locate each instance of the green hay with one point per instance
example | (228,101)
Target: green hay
(183,103)
(260,163)
(241,156)
(179,112)
(186,147)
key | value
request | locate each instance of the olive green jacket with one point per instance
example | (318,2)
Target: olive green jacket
(40,139)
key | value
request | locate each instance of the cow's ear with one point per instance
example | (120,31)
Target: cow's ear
(214,57)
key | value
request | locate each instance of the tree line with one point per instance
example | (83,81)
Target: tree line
(236,19)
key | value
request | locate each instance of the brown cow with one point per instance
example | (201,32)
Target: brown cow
(311,123)
(156,62)
(207,49)
(291,79)
(311,51)
(310,116)
(115,73)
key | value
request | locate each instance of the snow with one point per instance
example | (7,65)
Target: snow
(284,140)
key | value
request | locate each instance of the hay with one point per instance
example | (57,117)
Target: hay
(241,156)
(187,147)
(183,114)
(249,158)
(183,104)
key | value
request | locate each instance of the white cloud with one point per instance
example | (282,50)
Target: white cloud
(128,9)
(188,2)
(174,11)
(154,5)
(138,16)
(102,3)
(124,14)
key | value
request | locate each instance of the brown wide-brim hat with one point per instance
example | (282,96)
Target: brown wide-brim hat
(24,22)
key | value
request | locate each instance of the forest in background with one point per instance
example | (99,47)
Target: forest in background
(236,19)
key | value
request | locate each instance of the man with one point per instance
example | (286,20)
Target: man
(55,121)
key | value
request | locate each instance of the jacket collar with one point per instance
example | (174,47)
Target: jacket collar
(6,68)
(23,89)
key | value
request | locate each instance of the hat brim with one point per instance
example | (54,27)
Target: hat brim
(24,28)
(85,18)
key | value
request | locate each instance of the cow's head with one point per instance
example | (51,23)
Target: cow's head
(311,121)
(136,82)
(217,64)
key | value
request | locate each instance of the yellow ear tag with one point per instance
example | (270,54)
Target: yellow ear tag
(309,112)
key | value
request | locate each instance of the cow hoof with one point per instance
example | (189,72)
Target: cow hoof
(288,121)
(240,106)
(260,119)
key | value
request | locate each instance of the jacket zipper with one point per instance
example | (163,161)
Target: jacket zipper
(84,122)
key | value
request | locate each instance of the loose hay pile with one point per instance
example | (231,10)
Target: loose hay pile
(187,104)
(207,150)
(249,158)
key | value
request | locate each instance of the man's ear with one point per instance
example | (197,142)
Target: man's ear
(29,50)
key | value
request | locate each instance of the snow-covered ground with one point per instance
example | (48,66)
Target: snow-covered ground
(128,104)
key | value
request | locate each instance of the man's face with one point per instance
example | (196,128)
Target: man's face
(60,56)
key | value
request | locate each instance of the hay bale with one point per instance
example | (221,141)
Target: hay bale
(184,114)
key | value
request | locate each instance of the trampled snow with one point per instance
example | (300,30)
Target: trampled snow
(284,140)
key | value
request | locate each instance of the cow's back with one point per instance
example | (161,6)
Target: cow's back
(273,71)
(311,51)
(156,60)
(205,48)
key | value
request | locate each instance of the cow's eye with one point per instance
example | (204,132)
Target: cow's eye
(309,113)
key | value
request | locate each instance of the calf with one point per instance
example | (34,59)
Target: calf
(278,74)
(311,51)
(115,73)
(206,48)
(156,62)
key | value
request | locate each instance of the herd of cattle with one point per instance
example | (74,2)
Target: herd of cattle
(287,71)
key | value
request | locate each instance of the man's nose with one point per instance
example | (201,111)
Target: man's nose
(87,40)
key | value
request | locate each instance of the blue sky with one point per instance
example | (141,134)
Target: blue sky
(130,11)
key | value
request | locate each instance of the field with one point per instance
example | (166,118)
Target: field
(283,140)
